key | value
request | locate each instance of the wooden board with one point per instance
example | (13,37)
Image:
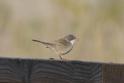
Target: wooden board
(52,71)
(29,71)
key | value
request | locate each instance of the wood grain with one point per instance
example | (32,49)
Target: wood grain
(47,71)
(52,71)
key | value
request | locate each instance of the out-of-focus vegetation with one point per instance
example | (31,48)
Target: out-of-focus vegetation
(99,25)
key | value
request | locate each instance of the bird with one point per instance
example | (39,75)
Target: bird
(61,46)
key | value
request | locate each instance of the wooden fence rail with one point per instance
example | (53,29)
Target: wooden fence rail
(52,71)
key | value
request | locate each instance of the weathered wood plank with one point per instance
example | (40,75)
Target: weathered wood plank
(48,71)
(113,73)
(11,71)
(70,72)
(52,71)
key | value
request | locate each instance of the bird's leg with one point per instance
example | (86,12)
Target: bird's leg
(60,57)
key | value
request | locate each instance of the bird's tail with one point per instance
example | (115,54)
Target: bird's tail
(45,43)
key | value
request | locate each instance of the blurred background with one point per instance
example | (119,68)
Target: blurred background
(99,25)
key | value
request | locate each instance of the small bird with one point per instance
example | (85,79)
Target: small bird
(61,46)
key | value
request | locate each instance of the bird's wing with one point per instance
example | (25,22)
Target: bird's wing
(63,46)
(62,42)
(67,50)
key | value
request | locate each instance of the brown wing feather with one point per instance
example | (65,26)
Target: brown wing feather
(63,46)
(67,51)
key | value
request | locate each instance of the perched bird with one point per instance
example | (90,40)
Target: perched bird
(61,46)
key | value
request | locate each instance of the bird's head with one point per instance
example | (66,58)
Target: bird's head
(70,38)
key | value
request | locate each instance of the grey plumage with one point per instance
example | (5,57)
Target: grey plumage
(61,46)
